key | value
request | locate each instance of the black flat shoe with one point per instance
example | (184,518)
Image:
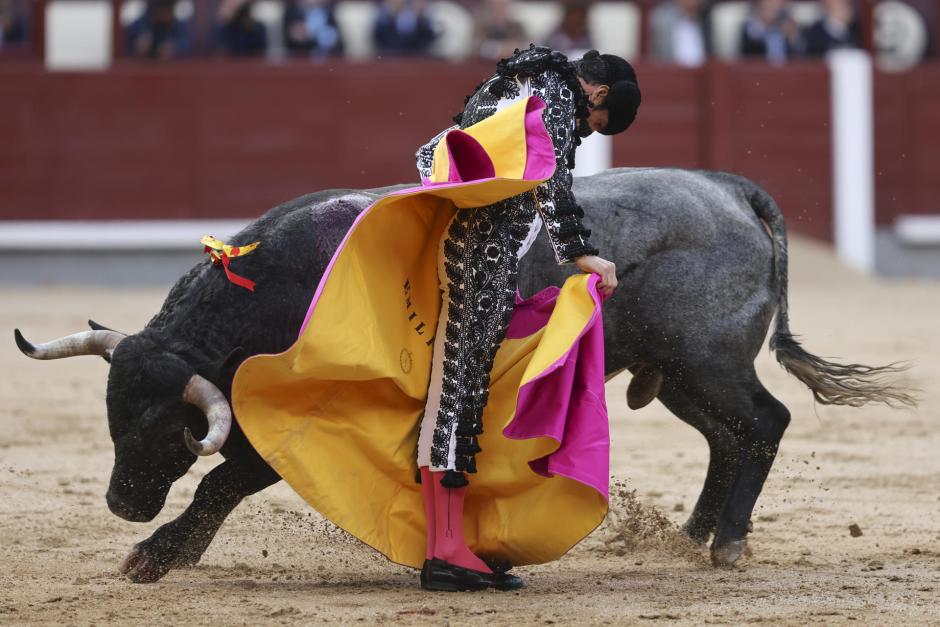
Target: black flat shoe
(447,577)
(502,580)
(505,582)
(425,570)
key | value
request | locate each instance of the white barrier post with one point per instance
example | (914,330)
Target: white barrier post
(853,174)
(78,34)
(594,155)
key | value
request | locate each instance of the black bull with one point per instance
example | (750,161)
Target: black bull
(702,264)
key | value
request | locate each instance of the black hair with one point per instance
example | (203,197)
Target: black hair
(623,95)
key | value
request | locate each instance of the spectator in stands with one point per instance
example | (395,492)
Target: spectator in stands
(238,33)
(310,28)
(572,35)
(771,33)
(12,24)
(838,28)
(157,34)
(498,34)
(402,27)
(681,32)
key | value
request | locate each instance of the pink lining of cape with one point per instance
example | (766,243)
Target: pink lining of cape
(566,401)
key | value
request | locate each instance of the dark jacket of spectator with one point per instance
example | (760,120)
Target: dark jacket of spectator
(402,28)
(771,33)
(822,37)
(157,34)
(12,25)
(838,28)
(310,28)
(241,35)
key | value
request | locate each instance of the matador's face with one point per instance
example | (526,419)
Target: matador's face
(598,114)
(584,127)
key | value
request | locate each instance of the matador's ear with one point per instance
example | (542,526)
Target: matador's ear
(598,97)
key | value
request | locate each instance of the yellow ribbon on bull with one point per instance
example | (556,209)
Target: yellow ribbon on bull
(221,254)
(218,248)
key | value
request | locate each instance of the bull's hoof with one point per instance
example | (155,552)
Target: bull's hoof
(726,555)
(142,567)
(644,387)
(187,561)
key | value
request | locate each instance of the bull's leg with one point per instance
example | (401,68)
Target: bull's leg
(759,434)
(722,462)
(182,541)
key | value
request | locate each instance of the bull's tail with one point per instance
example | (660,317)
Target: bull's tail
(831,383)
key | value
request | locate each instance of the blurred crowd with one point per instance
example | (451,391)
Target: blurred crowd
(773,34)
(681,31)
(678,31)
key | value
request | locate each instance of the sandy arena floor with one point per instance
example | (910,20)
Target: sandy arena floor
(275,561)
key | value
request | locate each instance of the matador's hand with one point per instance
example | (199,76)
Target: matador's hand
(606,269)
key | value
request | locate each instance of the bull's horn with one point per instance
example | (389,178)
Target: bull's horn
(101,343)
(204,395)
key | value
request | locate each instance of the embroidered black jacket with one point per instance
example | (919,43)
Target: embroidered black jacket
(545,73)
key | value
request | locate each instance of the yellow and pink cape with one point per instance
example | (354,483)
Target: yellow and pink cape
(337,414)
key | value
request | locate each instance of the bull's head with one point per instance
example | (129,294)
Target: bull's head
(155,401)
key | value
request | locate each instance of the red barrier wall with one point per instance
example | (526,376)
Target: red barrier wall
(907,143)
(225,139)
(769,124)
(209,140)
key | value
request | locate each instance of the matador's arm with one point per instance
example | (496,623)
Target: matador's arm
(555,201)
(425,155)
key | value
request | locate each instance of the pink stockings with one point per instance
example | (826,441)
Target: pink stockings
(443,508)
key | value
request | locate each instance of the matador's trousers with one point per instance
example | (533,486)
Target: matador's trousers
(478,259)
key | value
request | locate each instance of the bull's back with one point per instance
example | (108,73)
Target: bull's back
(674,234)
(694,262)
(297,239)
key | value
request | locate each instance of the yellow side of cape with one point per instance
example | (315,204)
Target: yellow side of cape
(337,414)
(502,130)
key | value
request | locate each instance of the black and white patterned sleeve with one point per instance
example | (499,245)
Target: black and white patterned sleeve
(555,201)
(425,155)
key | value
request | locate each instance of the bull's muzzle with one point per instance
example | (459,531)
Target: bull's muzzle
(128,512)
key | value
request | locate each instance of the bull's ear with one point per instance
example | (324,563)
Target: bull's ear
(100,327)
(223,371)
(233,361)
